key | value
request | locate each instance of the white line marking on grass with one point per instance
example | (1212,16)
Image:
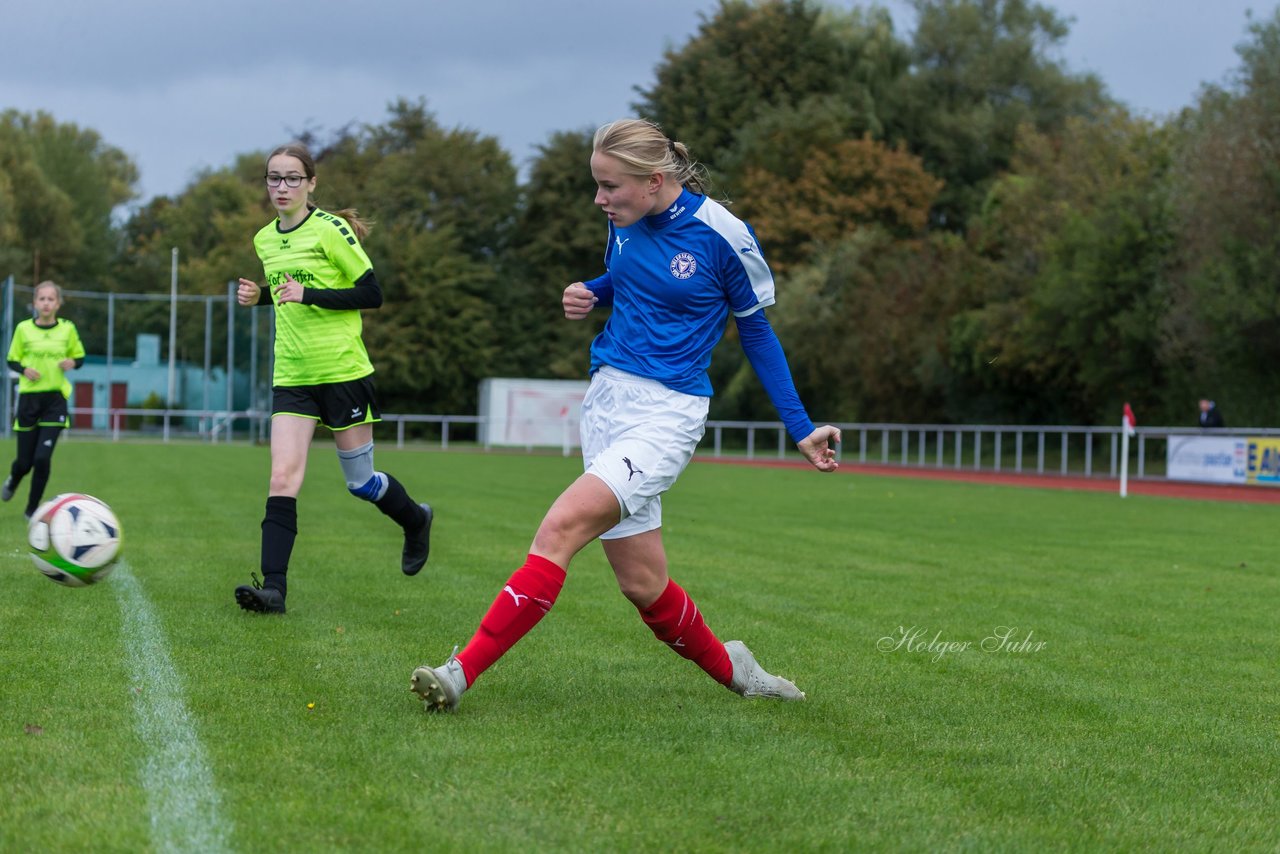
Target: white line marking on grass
(180,789)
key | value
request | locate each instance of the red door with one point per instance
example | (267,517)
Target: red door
(82,398)
(119,400)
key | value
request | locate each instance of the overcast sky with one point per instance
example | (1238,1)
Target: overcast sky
(184,86)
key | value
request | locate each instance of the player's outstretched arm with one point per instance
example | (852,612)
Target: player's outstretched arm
(819,447)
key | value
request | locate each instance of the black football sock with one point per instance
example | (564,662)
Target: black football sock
(27,440)
(279,530)
(39,480)
(41,465)
(397,504)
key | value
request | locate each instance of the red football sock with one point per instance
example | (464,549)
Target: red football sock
(678,623)
(528,596)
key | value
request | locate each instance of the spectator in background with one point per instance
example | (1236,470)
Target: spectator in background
(1209,414)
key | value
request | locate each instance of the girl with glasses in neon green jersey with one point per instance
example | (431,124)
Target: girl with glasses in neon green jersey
(318,278)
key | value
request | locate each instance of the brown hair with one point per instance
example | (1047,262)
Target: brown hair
(358,224)
(643,149)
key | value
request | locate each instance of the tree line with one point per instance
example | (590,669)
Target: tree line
(962,229)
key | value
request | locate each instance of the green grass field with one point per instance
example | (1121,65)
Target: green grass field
(1133,705)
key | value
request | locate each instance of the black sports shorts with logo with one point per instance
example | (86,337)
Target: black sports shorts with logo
(40,409)
(335,405)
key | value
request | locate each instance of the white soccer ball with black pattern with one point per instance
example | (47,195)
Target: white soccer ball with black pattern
(74,539)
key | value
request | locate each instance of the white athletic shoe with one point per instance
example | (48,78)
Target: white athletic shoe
(6,491)
(752,680)
(439,687)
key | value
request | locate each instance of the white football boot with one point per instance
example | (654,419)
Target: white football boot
(752,680)
(439,687)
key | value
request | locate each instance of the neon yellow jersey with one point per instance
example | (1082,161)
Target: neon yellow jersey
(315,345)
(42,349)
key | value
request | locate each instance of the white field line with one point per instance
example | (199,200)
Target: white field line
(181,793)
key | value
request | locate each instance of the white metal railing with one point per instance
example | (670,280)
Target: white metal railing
(1039,449)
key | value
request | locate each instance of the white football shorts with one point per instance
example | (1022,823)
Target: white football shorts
(637,436)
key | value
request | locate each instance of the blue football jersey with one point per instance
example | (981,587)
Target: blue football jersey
(675,277)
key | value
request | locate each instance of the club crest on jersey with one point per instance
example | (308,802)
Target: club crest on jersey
(683,265)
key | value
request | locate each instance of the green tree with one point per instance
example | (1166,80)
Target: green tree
(211,224)
(856,185)
(981,69)
(9,259)
(865,326)
(442,203)
(1219,335)
(762,82)
(435,336)
(414,170)
(1075,243)
(61,185)
(853,184)
(559,238)
(45,237)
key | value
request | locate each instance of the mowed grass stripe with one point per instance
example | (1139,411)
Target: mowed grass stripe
(181,792)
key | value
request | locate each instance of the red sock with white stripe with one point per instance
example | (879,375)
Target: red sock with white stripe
(526,599)
(677,622)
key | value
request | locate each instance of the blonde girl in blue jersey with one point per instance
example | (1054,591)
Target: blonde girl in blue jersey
(318,278)
(678,264)
(43,349)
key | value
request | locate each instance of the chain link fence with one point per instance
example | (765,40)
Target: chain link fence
(183,364)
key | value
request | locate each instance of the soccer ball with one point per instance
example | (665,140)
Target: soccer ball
(74,539)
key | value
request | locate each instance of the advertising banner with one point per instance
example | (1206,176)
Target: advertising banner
(1262,458)
(531,413)
(1208,459)
(1253,460)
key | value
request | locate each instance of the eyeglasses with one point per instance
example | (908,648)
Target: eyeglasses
(273,180)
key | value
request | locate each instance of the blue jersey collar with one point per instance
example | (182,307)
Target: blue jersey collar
(683,208)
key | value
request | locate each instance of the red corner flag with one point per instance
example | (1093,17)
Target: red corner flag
(1130,427)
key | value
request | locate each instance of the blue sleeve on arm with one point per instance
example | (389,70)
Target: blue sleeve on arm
(602,287)
(764,351)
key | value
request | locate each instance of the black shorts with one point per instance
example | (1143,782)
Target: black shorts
(335,405)
(40,409)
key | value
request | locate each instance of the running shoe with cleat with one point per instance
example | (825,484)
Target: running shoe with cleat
(7,490)
(752,680)
(439,687)
(417,545)
(259,599)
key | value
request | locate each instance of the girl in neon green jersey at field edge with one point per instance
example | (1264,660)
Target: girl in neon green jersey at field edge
(318,277)
(43,349)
